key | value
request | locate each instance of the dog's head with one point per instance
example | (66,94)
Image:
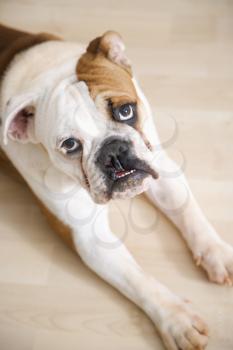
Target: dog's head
(93,125)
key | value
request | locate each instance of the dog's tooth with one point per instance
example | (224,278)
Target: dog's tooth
(126,173)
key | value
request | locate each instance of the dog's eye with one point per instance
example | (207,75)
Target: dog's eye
(124,113)
(71,145)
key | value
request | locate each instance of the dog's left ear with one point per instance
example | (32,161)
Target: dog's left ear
(112,46)
(18,119)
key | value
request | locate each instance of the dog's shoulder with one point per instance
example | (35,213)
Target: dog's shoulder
(13,41)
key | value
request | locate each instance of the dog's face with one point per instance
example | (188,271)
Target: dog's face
(93,126)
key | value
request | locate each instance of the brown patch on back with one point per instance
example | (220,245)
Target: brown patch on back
(103,76)
(58,226)
(13,41)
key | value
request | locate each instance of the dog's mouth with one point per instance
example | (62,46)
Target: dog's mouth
(122,173)
(125,175)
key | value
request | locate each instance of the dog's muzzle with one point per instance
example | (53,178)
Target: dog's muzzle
(122,169)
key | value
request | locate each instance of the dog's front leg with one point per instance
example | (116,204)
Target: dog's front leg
(171,193)
(178,325)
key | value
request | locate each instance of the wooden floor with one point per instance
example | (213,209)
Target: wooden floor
(183,55)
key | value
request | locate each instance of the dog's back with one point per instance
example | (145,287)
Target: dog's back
(14,41)
(8,36)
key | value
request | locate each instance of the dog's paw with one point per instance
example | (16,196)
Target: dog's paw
(216,258)
(182,329)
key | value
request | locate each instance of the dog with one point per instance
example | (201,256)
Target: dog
(77,127)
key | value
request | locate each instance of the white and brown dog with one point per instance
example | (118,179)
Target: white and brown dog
(77,127)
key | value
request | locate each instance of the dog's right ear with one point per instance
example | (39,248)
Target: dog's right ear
(18,119)
(112,46)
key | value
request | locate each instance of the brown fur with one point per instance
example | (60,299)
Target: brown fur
(59,227)
(103,76)
(13,41)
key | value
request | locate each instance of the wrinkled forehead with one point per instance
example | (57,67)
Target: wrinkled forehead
(68,110)
(107,79)
(71,108)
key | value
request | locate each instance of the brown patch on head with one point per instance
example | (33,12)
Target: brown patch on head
(106,70)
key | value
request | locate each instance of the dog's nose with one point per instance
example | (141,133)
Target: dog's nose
(113,156)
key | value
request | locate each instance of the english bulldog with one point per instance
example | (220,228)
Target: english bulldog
(77,127)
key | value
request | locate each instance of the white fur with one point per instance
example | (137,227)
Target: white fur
(53,85)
